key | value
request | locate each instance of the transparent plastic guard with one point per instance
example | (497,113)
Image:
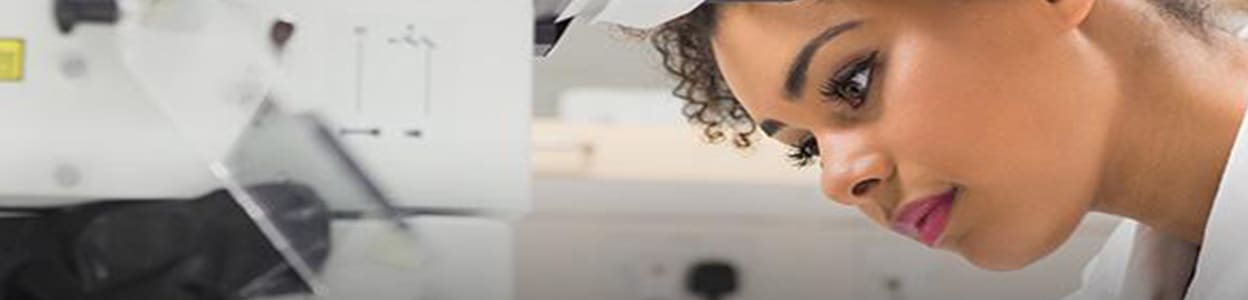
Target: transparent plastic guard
(298,149)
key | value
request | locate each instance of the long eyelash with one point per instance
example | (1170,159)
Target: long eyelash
(832,88)
(804,155)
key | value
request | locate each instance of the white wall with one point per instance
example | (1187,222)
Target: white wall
(594,55)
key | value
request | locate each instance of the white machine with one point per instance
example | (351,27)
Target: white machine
(138,99)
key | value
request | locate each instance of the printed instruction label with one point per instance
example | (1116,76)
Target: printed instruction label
(12,59)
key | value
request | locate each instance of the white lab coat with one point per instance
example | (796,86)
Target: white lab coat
(1139,263)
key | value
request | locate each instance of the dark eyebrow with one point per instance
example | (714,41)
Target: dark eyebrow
(770,127)
(797,71)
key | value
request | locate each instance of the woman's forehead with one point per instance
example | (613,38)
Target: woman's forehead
(806,12)
(758,43)
(791,13)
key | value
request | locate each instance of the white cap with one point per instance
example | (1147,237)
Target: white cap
(640,14)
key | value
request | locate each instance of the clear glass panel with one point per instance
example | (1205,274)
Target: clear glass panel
(366,239)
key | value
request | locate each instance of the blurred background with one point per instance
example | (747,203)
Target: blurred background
(630,203)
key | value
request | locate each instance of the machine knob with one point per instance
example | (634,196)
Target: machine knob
(69,13)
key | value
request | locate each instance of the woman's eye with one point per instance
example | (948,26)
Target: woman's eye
(852,84)
(804,154)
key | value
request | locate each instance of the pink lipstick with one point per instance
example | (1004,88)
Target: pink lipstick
(925,219)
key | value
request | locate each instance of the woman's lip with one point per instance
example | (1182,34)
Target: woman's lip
(925,220)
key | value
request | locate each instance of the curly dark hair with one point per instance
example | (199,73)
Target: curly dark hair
(684,45)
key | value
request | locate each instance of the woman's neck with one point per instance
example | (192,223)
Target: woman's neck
(1182,101)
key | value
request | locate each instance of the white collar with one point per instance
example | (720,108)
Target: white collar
(1225,247)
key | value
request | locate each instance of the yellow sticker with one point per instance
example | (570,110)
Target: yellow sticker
(12,58)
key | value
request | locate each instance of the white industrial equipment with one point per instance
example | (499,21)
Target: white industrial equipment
(139,99)
(431,98)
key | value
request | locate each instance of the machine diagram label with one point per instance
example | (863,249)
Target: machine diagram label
(394,72)
(12,59)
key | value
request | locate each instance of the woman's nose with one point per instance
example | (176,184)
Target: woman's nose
(850,178)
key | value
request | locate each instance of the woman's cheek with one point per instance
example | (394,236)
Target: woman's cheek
(932,118)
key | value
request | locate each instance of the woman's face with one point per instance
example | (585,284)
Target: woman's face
(973,126)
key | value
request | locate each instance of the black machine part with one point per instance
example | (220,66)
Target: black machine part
(70,13)
(712,279)
(201,249)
